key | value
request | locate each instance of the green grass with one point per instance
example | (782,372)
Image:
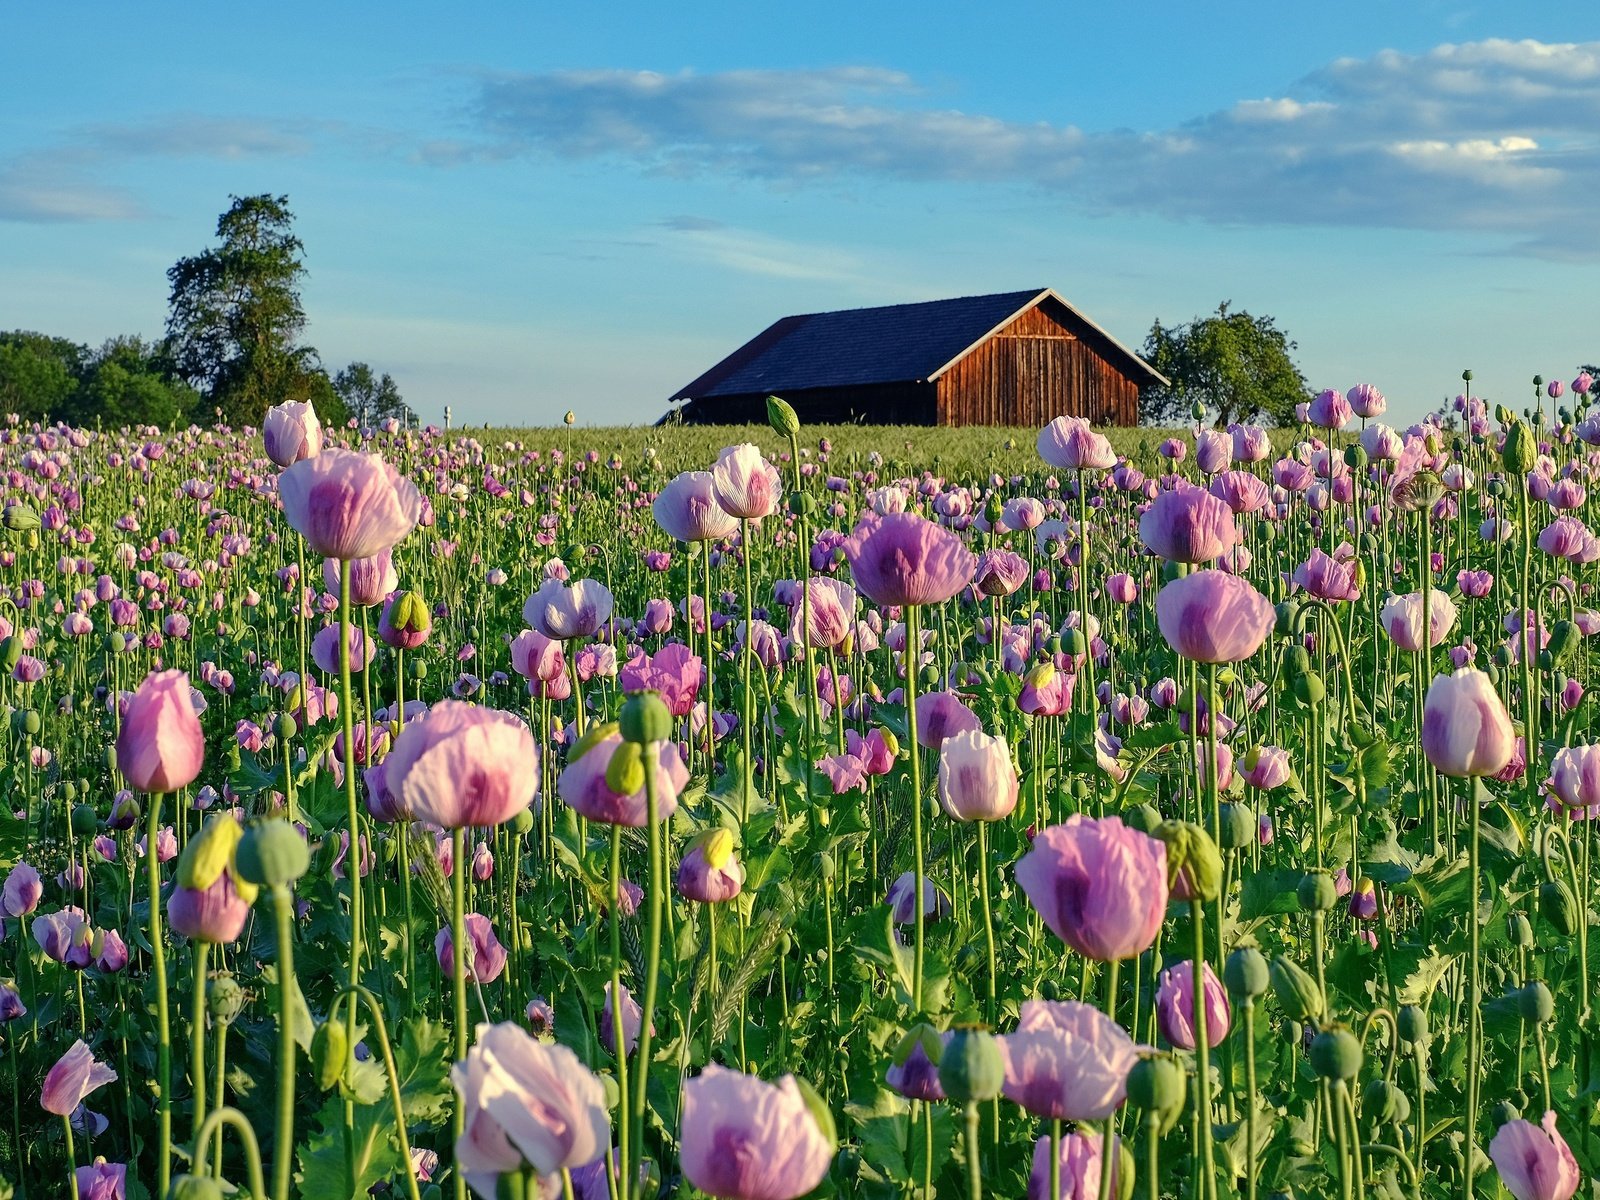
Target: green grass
(955,452)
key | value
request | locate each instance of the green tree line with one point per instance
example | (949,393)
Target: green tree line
(232,348)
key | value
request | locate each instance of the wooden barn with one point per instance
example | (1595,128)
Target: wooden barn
(1014,358)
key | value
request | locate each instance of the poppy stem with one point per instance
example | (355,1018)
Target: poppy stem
(158,964)
(283,1146)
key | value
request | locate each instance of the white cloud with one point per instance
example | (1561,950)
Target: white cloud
(1359,142)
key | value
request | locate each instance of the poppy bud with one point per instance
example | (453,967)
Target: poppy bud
(1383,1103)
(195,1187)
(1558,906)
(1239,826)
(1317,891)
(1413,1024)
(1296,991)
(273,854)
(1336,1054)
(1158,1086)
(645,719)
(1520,931)
(1520,450)
(971,1068)
(781,416)
(1309,688)
(522,823)
(1245,973)
(84,820)
(1535,1003)
(330,1053)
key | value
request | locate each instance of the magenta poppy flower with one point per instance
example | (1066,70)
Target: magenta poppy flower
(1366,401)
(632,1022)
(1213,451)
(687,509)
(73,1077)
(371,579)
(1329,409)
(1241,491)
(941,715)
(22,892)
(1067,1061)
(1100,886)
(1175,1011)
(1329,577)
(325,650)
(1046,691)
(1401,618)
(161,747)
(674,671)
(904,559)
(747,486)
(999,572)
(348,505)
(461,765)
(1188,524)
(485,957)
(1534,1161)
(832,612)
(1465,728)
(1212,616)
(1574,776)
(291,432)
(568,611)
(583,784)
(744,1139)
(1071,444)
(711,873)
(1080,1167)
(1267,768)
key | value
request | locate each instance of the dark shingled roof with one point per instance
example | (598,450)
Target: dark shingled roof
(898,343)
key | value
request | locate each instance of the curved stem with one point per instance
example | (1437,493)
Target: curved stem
(366,997)
(247,1137)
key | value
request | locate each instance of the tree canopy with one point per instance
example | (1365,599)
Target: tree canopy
(235,319)
(370,396)
(125,382)
(1237,365)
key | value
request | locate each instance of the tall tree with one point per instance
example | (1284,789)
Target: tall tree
(370,396)
(235,318)
(129,381)
(1237,365)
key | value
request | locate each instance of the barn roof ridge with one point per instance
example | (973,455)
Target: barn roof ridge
(912,342)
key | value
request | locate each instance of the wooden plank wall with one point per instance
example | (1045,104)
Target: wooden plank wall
(1034,370)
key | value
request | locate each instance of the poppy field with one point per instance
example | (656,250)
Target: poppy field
(434,813)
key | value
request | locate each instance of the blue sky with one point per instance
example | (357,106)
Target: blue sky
(516,212)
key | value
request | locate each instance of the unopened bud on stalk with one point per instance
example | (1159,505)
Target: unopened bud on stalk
(971,1068)
(1336,1054)
(1520,450)
(1558,906)
(781,416)
(645,719)
(272,854)
(224,999)
(1535,1003)
(1158,1086)
(1246,974)
(1317,891)
(1239,826)
(1296,991)
(1383,1103)
(1412,1021)
(330,1053)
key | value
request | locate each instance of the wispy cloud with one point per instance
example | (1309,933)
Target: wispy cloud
(66,181)
(1497,136)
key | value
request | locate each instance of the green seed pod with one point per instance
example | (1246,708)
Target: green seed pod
(272,854)
(1336,1053)
(802,504)
(1503,1113)
(1559,907)
(781,416)
(1317,891)
(84,820)
(1384,1103)
(330,1053)
(1297,992)
(826,867)
(1521,449)
(625,771)
(971,1067)
(1355,456)
(417,669)
(1309,688)
(1246,974)
(1049,989)
(1159,1086)
(1194,865)
(1413,1022)
(69,791)
(10,652)
(26,723)
(1564,639)
(1293,1032)
(1073,642)
(993,507)
(19,518)
(645,719)
(1239,826)
(1286,623)
(1535,1003)
(1519,930)
(285,727)
(224,998)
(522,823)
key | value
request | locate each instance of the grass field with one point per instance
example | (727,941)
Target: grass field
(905,448)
